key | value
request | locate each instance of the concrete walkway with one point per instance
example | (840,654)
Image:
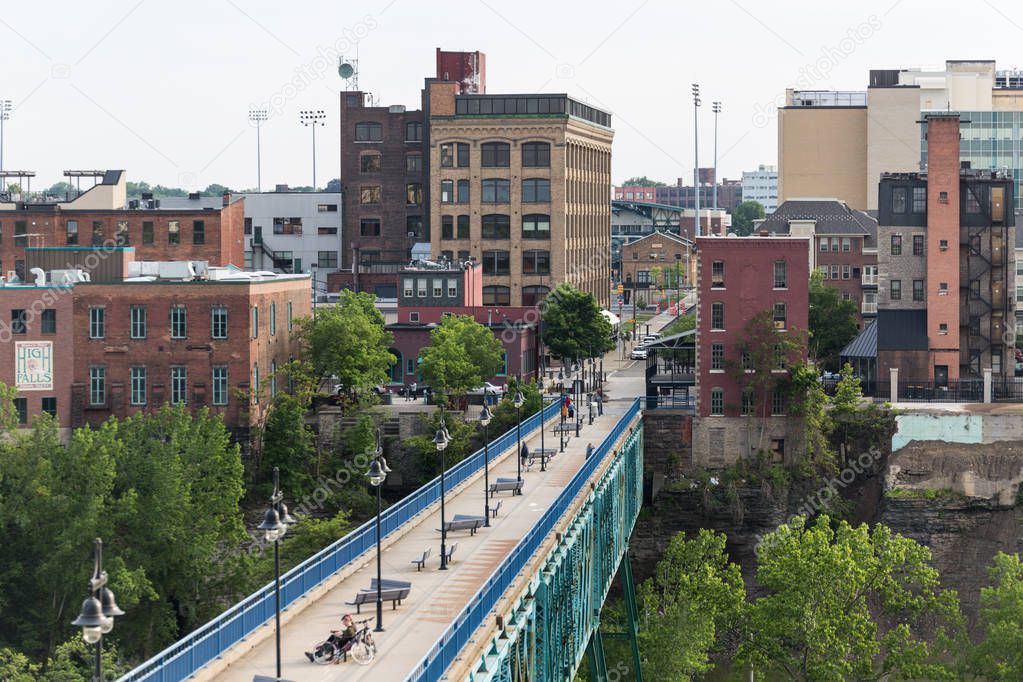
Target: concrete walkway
(437,596)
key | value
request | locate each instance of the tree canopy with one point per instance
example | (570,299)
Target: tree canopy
(348,341)
(1000,655)
(462,355)
(642,181)
(832,322)
(573,324)
(743,216)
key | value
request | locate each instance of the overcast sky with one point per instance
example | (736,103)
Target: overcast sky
(162,89)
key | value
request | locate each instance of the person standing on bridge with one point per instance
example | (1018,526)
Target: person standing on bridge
(524,454)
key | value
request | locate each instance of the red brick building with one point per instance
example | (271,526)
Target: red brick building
(738,278)
(197,228)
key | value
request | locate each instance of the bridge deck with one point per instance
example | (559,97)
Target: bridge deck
(437,596)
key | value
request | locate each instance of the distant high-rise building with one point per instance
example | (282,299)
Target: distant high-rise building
(761,186)
(683,195)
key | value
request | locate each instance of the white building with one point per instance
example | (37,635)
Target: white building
(293,231)
(761,186)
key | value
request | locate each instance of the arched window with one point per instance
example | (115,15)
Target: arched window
(369,132)
(533,294)
(496,294)
(536,226)
(495,155)
(536,190)
(397,369)
(536,155)
(496,226)
(536,262)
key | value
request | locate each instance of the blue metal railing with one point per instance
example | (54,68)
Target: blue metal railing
(457,635)
(195,650)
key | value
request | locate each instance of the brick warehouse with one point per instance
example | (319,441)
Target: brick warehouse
(737,278)
(198,228)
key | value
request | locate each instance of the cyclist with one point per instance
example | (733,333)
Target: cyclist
(338,640)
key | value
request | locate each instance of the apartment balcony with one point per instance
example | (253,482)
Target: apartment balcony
(868,308)
(868,280)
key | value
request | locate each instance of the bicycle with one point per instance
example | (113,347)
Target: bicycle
(361,648)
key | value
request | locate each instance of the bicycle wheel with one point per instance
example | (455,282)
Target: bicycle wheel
(361,653)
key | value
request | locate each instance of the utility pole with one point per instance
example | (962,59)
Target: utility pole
(312,118)
(257,116)
(696,157)
(716,108)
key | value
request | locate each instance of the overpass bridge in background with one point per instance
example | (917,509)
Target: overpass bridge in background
(521,600)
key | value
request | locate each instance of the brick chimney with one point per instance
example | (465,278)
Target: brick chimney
(227,198)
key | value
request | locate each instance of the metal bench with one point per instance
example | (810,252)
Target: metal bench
(421,561)
(394,595)
(506,484)
(388,584)
(469,523)
(494,510)
(451,550)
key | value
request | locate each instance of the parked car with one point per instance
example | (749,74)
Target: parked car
(638,353)
(492,389)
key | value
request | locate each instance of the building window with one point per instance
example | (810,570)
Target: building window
(496,191)
(462,157)
(918,290)
(290,318)
(895,290)
(918,245)
(717,356)
(996,362)
(824,271)
(846,271)
(447,191)
(746,361)
(536,226)
(536,262)
(717,315)
(780,361)
(20,230)
(747,402)
(496,295)
(97,323)
(824,243)
(198,232)
(255,383)
(148,234)
(835,244)
(896,244)
(178,322)
(536,155)
(49,321)
(463,227)
(496,263)
(273,318)
(326,259)
(173,232)
(273,379)
(496,226)
(846,244)
(138,386)
(369,163)
(421,287)
(779,316)
(21,407)
(49,406)
(778,402)
(288,225)
(369,227)
(414,163)
(138,322)
(220,385)
(495,155)
(643,277)
(534,294)
(19,321)
(179,385)
(717,401)
(97,385)
(781,276)
(943,288)
(97,233)
(72,232)
(919,200)
(218,322)
(413,226)
(972,205)
(898,200)
(536,190)
(255,321)
(413,132)
(369,132)
(943,328)
(943,197)
(438,288)
(413,193)
(369,195)
(121,236)
(447,227)
(717,274)
(462,195)
(247,226)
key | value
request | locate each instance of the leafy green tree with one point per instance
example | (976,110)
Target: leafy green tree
(349,342)
(681,324)
(743,216)
(427,456)
(573,324)
(642,181)
(999,656)
(816,622)
(462,355)
(287,443)
(504,413)
(61,189)
(832,323)
(695,596)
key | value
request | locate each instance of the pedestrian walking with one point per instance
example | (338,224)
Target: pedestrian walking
(412,396)
(571,408)
(589,450)
(524,454)
(600,402)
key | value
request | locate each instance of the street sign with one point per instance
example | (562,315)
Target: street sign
(621,300)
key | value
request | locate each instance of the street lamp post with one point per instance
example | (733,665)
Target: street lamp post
(716,108)
(274,525)
(377,474)
(441,440)
(257,116)
(97,615)
(311,119)
(696,156)
(517,401)
(561,406)
(485,417)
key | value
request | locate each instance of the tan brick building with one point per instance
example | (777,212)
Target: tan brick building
(673,257)
(520,183)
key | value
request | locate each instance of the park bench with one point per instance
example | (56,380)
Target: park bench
(506,484)
(451,550)
(421,561)
(394,595)
(389,584)
(494,510)
(541,454)
(469,523)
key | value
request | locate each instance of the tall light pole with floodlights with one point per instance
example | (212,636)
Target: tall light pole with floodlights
(312,118)
(485,417)
(275,524)
(441,440)
(97,615)
(257,116)
(696,157)
(377,474)
(716,108)
(518,401)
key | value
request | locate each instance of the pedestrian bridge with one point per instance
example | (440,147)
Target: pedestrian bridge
(521,599)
